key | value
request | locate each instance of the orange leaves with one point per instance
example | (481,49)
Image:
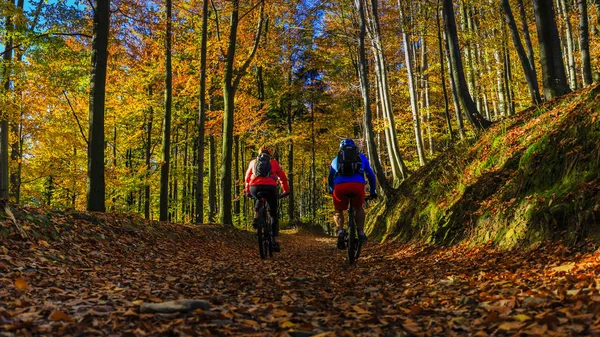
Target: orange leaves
(60,316)
(20,284)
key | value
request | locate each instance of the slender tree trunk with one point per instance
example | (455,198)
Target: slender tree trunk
(502,104)
(96,187)
(466,27)
(364,86)
(313,166)
(166,141)
(534,91)
(412,90)
(572,68)
(17,127)
(399,171)
(425,86)
(474,117)
(148,157)
(553,68)
(291,170)
(212,179)
(527,36)
(443,72)
(454,90)
(4,123)
(185,165)
(199,216)
(508,82)
(231,82)
(584,42)
(236,188)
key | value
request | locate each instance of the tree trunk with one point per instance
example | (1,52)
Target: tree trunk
(454,89)
(500,85)
(4,123)
(166,141)
(237,180)
(185,165)
(148,157)
(399,171)
(313,166)
(230,84)
(199,218)
(443,72)
(527,36)
(572,69)
(534,91)
(212,179)
(508,81)
(553,68)
(412,90)
(291,171)
(584,42)
(364,86)
(96,187)
(16,152)
(474,117)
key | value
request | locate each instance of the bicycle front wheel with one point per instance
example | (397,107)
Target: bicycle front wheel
(261,248)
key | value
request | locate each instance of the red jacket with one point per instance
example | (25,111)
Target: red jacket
(276,174)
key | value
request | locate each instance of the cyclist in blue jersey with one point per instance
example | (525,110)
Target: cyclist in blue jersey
(347,176)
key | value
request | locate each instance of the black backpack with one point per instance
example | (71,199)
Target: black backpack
(262,166)
(349,161)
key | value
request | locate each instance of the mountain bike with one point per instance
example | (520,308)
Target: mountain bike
(264,226)
(353,244)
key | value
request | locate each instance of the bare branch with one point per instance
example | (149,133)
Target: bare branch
(254,48)
(76,118)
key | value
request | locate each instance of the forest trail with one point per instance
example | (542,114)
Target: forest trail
(91,280)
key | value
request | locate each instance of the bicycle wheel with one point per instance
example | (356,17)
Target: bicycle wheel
(352,239)
(261,248)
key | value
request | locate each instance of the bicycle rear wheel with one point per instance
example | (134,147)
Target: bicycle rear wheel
(352,239)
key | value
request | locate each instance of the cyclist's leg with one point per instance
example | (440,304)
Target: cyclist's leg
(340,204)
(254,190)
(359,214)
(271,197)
(358,189)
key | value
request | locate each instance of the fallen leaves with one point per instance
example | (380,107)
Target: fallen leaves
(60,316)
(20,284)
(102,281)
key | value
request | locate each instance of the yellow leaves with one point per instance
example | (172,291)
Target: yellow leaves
(287,325)
(511,326)
(20,284)
(60,316)
(359,310)
(522,318)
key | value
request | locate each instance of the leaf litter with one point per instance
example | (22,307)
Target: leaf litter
(90,274)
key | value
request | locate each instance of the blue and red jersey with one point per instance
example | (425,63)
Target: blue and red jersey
(335,178)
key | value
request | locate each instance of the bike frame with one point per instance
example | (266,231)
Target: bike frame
(264,229)
(353,244)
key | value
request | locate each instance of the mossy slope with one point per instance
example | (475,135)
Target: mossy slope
(531,177)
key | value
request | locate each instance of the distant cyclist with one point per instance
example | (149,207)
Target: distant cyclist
(347,176)
(262,176)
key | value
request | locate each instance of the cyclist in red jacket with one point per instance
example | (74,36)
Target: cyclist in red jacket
(263,175)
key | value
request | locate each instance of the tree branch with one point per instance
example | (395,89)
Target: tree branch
(76,118)
(246,64)
(44,35)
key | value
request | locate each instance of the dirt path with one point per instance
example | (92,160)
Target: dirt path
(92,281)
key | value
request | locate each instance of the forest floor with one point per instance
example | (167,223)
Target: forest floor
(88,275)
